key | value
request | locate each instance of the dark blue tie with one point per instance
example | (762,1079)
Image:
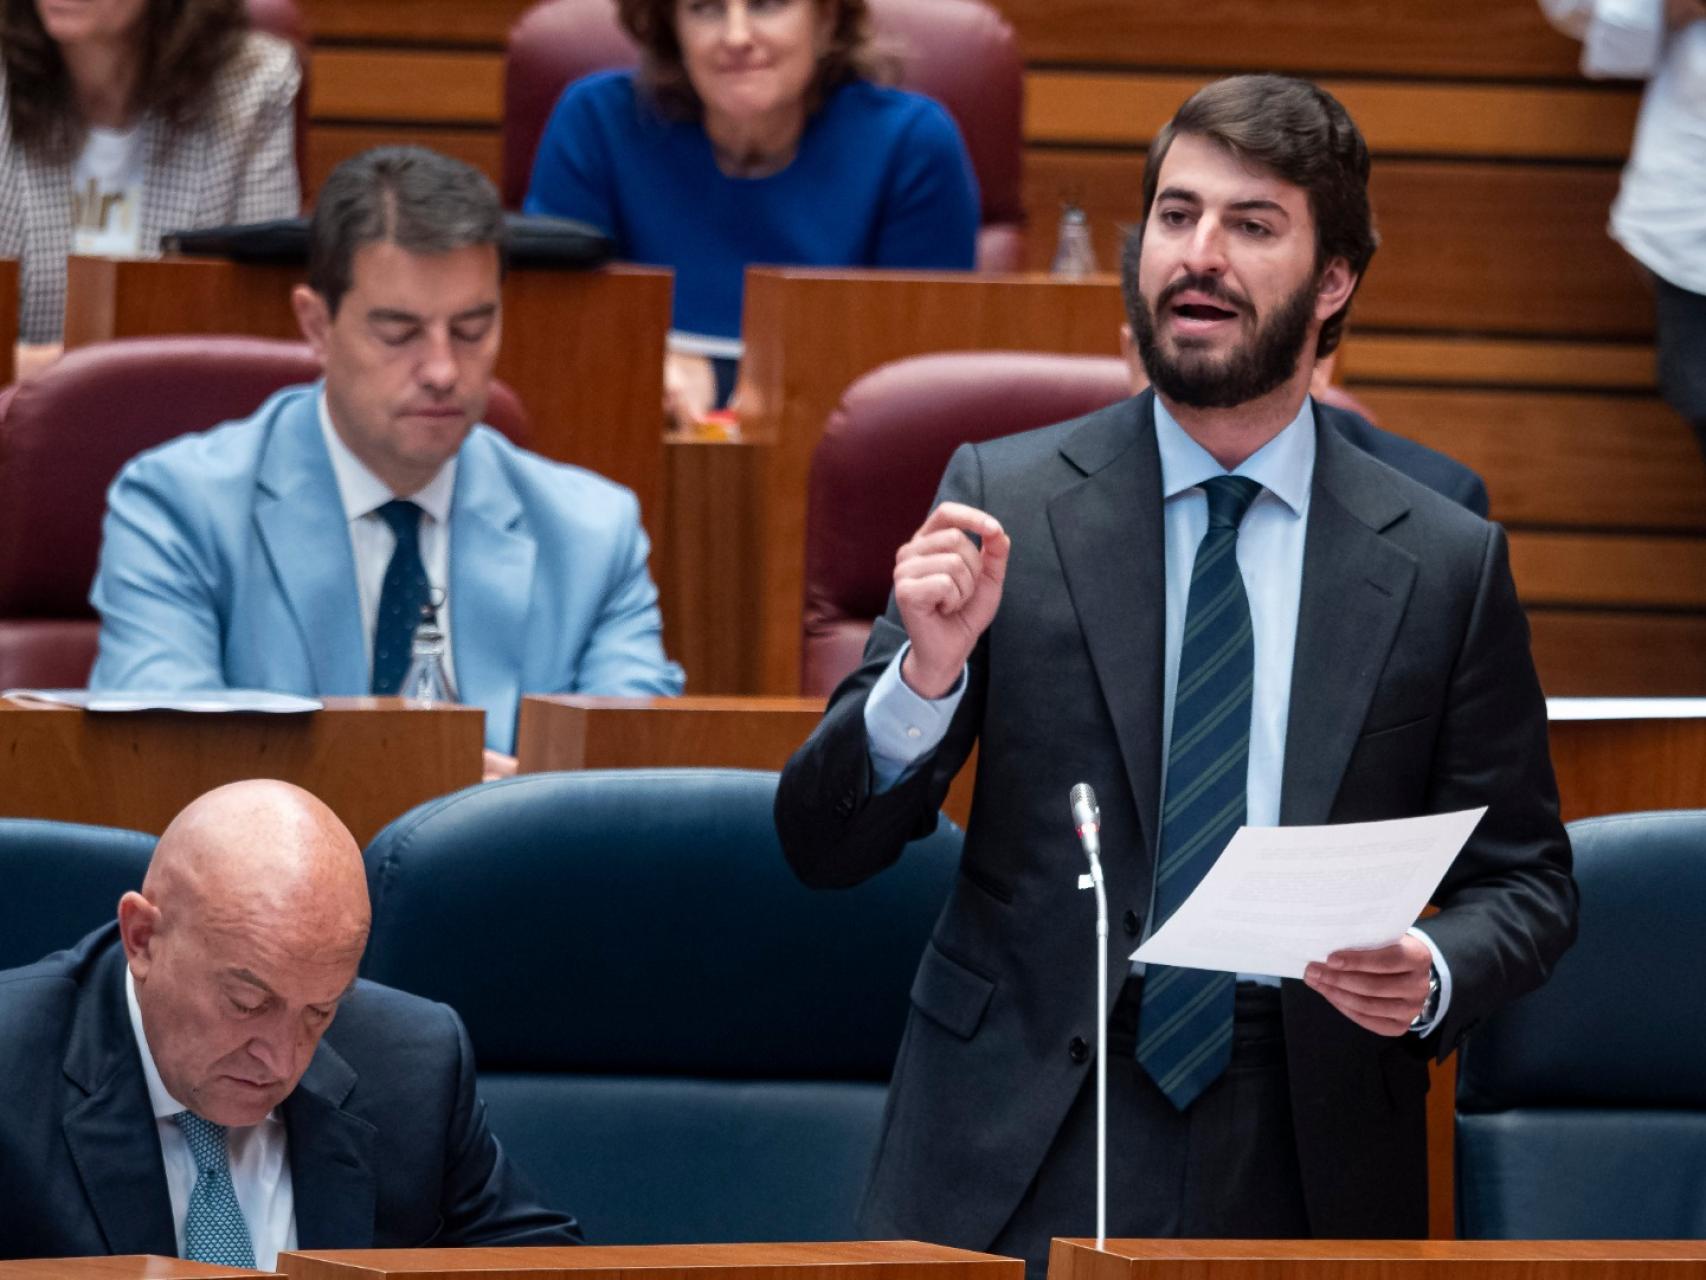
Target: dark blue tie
(1184,1023)
(400,599)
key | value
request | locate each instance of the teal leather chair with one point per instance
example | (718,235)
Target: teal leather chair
(676,1040)
(1581,1108)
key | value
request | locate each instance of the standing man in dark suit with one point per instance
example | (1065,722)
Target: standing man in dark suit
(1210,606)
(176,1083)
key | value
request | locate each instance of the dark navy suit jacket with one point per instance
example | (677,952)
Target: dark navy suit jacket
(388,1144)
(1440,472)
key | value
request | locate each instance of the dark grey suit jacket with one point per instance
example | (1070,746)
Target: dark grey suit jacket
(1413,692)
(388,1145)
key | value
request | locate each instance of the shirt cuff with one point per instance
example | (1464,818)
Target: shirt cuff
(902,728)
(1444,972)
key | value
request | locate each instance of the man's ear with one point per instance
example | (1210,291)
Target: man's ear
(1338,283)
(138,926)
(314,317)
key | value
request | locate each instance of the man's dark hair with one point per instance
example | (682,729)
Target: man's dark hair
(415,198)
(1300,132)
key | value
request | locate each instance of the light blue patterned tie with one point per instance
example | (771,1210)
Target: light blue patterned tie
(214,1230)
(1184,1020)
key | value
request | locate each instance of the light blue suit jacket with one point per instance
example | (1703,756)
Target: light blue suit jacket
(226,563)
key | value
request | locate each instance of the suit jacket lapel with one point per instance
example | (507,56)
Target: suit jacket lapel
(331,1158)
(491,579)
(1356,585)
(1108,533)
(300,519)
(111,1131)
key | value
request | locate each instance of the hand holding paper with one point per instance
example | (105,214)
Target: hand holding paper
(1381,989)
(1279,898)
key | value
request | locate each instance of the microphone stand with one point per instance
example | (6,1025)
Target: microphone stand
(1094,881)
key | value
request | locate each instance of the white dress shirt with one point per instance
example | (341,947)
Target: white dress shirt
(260,1172)
(902,727)
(1660,212)
(371,539)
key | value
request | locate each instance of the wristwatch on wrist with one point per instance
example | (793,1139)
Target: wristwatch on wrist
(1430,1006)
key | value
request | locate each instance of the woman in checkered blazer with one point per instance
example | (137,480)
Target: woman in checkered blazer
(121,120)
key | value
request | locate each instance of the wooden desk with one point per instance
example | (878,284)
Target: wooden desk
(576,732)
(8,319)
(858,1260)
(370,759)
(1376,1259)
(1652,755)
(583,349)
(571,731)
(124,1266)
(809,333)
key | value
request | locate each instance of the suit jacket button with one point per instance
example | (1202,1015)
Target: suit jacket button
(1078,1051)
(844,807)
(1130,922)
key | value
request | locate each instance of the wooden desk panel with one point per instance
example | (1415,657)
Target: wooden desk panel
(8,319)
(855,1260)
(583,349)
(124,1266)
(568,731)
(370,759)
(811,333)
(576,732)
(1625,766)
(1375,1259)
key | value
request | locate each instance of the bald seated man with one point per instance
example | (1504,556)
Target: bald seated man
(206,1077)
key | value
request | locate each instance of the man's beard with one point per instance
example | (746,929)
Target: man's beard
(1249,371)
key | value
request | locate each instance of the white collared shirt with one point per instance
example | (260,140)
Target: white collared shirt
(260,1171)
(372,542)
(1660,212)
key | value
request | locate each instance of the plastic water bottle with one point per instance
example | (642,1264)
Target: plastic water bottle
(1073,256)
(426,683)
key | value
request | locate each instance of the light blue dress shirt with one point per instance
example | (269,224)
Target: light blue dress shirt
(902,727)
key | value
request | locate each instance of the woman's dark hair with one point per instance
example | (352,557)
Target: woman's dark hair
(1299,131)
(185,43)
(850,55)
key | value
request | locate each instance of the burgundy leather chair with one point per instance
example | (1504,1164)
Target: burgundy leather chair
(283,19)
(63,438)
(960,52)
(882,455)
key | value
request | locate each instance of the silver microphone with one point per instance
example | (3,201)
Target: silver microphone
(1087,820)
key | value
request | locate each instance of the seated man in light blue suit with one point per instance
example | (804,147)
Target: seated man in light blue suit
(296,549)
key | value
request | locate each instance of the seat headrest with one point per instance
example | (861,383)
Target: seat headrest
(1622,1018)
(645,922)
(63,880)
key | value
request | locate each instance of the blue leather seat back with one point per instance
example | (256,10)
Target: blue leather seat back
(1582,1107)
(668,1160)
(61,880)
(676,1038)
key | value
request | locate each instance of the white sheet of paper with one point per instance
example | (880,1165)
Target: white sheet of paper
(202,700)
(1278,898)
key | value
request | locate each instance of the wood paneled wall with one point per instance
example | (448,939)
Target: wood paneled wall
(1498,322)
